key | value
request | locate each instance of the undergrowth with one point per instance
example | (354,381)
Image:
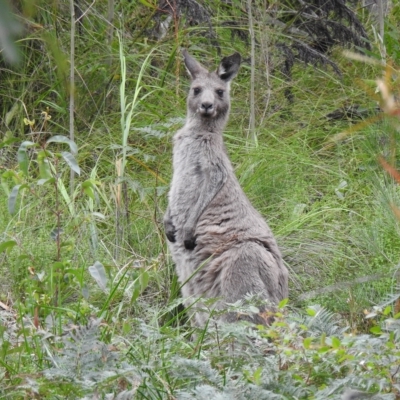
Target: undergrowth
(90,306)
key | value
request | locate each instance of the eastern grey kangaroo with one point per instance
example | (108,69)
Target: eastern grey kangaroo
(221,245)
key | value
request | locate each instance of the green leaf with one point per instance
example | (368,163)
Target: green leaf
(322,339)
(307,342)
(140,285)
(89,192)
(335,342)
(88,183)
(12,199)
(257,375)
(22,156)
(126,327)
(88,188)
(44,167)
(148,4)
(98,272)
(71,161)
(7,245)
(135,293)
(144,280)
(42,182)
(54,106)
(346,357)
(387,310)
(283,303)
(10,174)
(64,139)
(323,349)
(8,141)
(311,312)
(376,330)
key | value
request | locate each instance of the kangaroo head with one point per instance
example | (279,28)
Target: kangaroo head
(208,98)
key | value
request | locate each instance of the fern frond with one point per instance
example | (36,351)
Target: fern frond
(84,358)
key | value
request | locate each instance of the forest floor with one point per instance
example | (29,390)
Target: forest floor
(89,301)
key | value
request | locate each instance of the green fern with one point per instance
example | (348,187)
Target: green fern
(84,359)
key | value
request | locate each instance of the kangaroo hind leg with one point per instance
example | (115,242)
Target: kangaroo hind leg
(249,268)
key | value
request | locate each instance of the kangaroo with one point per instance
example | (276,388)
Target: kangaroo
(220,244)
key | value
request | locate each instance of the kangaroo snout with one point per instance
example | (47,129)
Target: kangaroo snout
(207,108)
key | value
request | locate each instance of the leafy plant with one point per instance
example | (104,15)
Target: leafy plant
(89,302)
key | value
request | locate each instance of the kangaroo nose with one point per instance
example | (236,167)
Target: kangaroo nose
(207,106)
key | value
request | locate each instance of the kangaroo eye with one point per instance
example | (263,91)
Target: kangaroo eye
(220,92)
(196,91)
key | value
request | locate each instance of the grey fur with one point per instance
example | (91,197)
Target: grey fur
(221,245)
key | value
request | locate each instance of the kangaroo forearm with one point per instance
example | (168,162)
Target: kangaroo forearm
(213,180)
(212,184)
(169,226)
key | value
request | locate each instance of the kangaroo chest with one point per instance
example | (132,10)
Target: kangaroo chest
(192,158)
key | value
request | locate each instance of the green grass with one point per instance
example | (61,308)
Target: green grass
(329,207)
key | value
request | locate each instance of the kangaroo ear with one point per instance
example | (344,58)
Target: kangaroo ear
(229,67)
(193,67)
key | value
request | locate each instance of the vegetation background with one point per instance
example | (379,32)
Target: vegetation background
(91,93)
